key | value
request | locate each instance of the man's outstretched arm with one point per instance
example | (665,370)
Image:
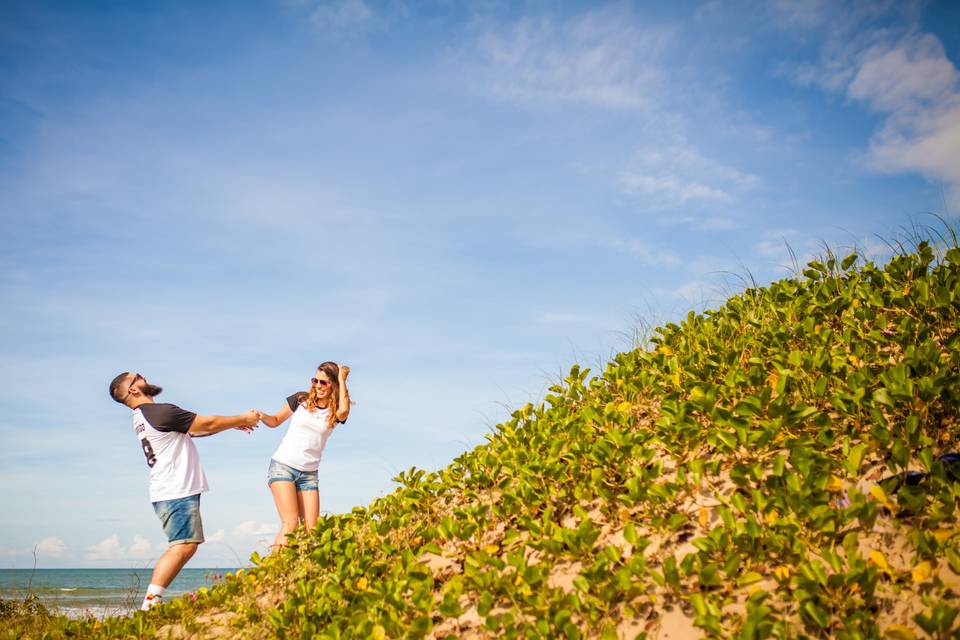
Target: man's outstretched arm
(209,425)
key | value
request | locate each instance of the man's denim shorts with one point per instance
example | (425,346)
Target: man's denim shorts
(181,519)
(303,480)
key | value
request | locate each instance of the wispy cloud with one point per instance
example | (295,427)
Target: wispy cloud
(674,175)
(336,20)
(804,13)
(670,188)
(645,252)
(841,17)
(613,60)
(602,58)
(332,18)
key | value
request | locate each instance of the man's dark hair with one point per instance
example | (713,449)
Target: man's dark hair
(115,386)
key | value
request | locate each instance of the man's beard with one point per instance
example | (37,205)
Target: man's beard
(151,390)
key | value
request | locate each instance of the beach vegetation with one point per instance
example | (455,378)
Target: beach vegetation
(780,466)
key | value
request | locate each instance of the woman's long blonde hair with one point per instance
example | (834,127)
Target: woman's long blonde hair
(332,369)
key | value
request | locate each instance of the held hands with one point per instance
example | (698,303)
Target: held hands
(250,420)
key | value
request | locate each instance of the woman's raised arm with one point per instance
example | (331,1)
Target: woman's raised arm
(343,402)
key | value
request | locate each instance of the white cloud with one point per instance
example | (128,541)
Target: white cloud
(675,174)
(252,528)
(838,26)
(612,58)
(601,58)
(904,75)
(107,549)
(141,549)
(918,87)
(246,536)
(901,73)
(51,547)
(111,549)
(218,536)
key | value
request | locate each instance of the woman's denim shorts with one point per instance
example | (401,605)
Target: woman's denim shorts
(302,480)
(180,518)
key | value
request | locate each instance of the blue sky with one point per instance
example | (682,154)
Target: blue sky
(460,200)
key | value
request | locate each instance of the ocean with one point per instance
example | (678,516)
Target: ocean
(97,592)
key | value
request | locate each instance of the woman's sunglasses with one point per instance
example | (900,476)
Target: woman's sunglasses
(322,383)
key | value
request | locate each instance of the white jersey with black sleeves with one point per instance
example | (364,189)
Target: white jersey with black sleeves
(174,461)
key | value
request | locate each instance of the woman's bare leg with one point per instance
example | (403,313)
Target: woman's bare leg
(285,497)
(308,503)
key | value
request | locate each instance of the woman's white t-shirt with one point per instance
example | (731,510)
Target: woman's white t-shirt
(302,445)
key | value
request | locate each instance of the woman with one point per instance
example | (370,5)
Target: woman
(292,476)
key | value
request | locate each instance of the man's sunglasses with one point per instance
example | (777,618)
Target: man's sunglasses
(322,383)
(132,382)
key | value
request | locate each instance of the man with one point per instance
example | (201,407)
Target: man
(176,477)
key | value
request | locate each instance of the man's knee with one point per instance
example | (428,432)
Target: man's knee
(187,549)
